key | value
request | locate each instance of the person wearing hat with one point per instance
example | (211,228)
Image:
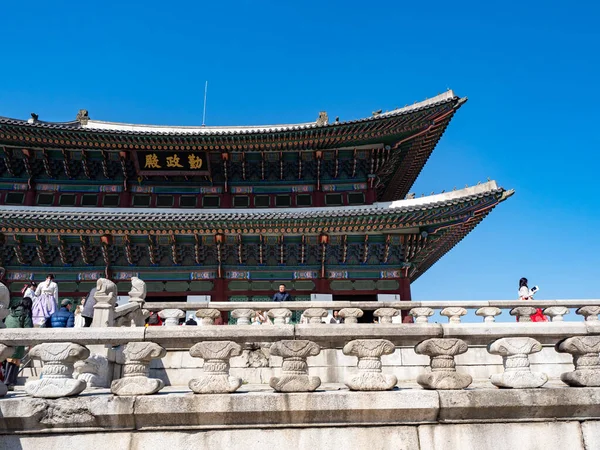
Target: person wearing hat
(63,318)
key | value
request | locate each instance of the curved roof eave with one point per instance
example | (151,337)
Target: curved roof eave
(141,129)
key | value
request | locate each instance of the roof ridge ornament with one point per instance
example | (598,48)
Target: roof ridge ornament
(83,117)
(323,118)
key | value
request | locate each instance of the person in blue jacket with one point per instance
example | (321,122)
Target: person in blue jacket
(282,295)
(63,318)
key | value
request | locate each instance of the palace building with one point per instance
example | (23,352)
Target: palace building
(231,212)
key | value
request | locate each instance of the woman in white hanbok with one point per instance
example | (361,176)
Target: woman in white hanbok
(44,304)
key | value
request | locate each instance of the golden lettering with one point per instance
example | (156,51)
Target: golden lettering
(195,162)
(152,161)
(173,161)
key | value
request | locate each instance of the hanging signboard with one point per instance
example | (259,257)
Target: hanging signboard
(171,163)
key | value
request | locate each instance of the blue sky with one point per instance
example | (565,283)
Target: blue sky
(531,122)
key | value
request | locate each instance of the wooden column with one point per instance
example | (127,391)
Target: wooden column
(405,295)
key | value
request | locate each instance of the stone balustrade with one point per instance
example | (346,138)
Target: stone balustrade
(137,347)
(386,312)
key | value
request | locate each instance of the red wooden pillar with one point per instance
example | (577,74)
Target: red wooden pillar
(405,295)
(30,195)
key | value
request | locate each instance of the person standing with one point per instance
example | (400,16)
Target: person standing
(88,308)
(282,295)
(29,290)
(20,317)
(527,294)
(45,302)
(79,320)
(336,317)
(63,318)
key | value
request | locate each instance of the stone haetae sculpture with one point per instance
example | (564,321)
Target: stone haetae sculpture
(93,370)
(369,376)
(106,298)
(215,377)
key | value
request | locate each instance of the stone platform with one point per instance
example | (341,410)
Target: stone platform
(255,416)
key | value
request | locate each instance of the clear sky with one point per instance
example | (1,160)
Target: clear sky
(530,70)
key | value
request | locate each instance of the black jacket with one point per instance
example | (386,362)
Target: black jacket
(282,297)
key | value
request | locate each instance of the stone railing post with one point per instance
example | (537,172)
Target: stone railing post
(523,313)
(215,378)
(453,313)
(421,315)
(294,369)
(443,373)
(585,350)
(171,316)
(386,314)
(489,313)
(138,295)
(243,316)
(279,315)
(369,377)
(5,352)
(589,312)
(104,309)
(57,372)
(515,358)
(351,315)
(556,313)
(208,315)
(136,357)
(315,315)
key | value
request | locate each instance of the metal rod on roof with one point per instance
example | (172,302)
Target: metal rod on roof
(204,113)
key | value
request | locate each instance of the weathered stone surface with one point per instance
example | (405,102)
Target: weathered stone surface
(136,357)
(369,352)
(57,373)
(215,377)
(315,315)
(351,315)
(208,315)
(243,316)
(585,351)
(517,374)
(443,373)
(500,436)
(523,313)
(93,370)
(279,315)
(294,369)
(453,313)
(171,316)
(488,313)
(589,312)
(556,313)
(386,314)
(4,302)
(422,314)
(549,403)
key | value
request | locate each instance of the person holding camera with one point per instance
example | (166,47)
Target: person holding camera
(527,294)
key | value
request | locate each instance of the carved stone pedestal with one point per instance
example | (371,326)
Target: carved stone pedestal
(453,313)
(443,373)
(279,315)
(369,376)
(515,358)
(208,315)
(171,316)
(523,313)
(351,315)
(136,357)
(57,372)
(294,370)
(489,313)
(215,378)
(422,314)
(243,316)
(315,315)
(585,350)
(386,314)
